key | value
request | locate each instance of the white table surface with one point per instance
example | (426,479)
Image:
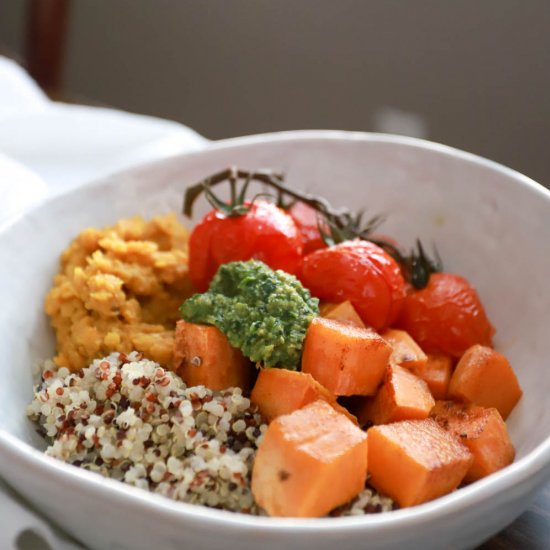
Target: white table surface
(47,147)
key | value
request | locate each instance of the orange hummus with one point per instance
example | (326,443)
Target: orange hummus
(119,289)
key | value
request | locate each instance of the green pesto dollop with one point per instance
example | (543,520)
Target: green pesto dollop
(262,312)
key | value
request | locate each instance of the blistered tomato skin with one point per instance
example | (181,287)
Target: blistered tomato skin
(361,272)
(264,233)
(446,316)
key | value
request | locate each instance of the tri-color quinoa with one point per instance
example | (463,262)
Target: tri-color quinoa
(129,419)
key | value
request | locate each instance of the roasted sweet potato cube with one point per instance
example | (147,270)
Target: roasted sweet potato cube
(402,396)
(482,430)
(344,312)
(484,377)
(406,352)
(345,359)
(436,372)
(309,462)
(415,461)
(204,356)
(282,391)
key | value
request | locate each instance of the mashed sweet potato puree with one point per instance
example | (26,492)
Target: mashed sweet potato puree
(119,289)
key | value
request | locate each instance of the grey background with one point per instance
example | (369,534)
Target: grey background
(474,74)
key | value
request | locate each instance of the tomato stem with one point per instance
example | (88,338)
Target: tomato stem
(236,206)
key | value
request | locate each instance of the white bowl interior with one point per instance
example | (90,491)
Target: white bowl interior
(489,223)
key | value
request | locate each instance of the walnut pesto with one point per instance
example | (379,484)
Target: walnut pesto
(262,312)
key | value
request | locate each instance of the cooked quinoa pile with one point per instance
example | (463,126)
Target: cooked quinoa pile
(131,420)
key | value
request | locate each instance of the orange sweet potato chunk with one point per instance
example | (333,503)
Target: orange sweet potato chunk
(415,461)
(309,462)
(406,352)
(345,359)
(482,430)
(402,396)
(282,391)
(436,372)
(203,356)
(485,377)
(344,312)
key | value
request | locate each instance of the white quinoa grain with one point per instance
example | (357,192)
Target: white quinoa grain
(239,426)
(158,471)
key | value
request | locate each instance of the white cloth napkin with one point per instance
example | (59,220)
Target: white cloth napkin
(46,147)
(18,92)
(67,145)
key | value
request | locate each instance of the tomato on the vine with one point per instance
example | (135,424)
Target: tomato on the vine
(262,232)
(446,316)
(307,220)
(361,272)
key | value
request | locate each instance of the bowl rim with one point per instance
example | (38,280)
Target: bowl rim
(535,463)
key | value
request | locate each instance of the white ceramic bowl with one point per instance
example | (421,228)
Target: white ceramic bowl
(490,224)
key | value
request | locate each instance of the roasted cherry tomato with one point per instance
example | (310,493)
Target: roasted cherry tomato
(305,218)
(446,316)
(264,233)
(361,272)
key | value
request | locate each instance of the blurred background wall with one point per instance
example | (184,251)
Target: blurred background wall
(474,74)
